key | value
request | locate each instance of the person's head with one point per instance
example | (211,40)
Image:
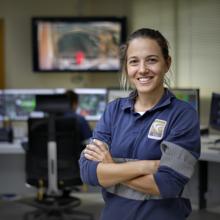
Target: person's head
(74,98)
(145,60)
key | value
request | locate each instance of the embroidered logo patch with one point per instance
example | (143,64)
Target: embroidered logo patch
(157,129)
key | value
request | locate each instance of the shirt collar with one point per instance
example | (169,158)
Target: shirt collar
(129,101)
(164,101)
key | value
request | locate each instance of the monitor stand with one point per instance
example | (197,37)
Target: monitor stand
(52,157)
(52,168)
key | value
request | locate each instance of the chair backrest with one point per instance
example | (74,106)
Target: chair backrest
(67,137)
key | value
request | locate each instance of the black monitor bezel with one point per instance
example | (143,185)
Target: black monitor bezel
(212,115)
(35,55)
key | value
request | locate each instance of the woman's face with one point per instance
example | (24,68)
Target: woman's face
(146,66)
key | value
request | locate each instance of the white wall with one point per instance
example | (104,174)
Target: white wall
(199,49)
(191,26)
(18,51)
(160,15)
(199,45)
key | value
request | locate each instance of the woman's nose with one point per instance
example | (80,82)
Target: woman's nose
(143,67)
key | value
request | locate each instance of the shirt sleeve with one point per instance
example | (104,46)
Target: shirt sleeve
(88,171)
(102,132)
(180,152)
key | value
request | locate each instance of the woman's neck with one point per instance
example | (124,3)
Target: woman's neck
(145,102)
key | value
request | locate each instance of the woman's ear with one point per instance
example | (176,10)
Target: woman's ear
(168,62)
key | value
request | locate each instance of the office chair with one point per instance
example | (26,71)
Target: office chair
(51,164)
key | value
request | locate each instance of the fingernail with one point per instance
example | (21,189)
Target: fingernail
(90,140)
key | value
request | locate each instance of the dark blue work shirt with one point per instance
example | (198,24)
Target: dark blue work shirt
(133,136)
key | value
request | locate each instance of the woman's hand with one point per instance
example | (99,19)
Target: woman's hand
(98,151)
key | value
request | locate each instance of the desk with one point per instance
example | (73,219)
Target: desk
(11,148)
(207,155)
(12,169)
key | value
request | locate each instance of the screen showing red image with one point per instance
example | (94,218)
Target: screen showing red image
(77,44)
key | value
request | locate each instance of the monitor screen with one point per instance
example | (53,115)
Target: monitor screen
(53,103)
(92,102)
(19,103)
(114,93)
(215,111)
(189,95)
(77,44)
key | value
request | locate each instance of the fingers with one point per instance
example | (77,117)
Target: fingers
(94,152)
(91,155)
(103,146)
(94,148)
(98,151)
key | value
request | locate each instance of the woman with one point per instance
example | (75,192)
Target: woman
(145,146)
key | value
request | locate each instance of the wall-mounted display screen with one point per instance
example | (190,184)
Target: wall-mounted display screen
(77,44)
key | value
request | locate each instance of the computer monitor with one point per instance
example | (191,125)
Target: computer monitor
(114,93)
(92,102)
(53,103)
(19,103)
(215,111)
(190,95)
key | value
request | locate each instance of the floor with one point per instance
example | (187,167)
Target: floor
(91,202)
(14,210)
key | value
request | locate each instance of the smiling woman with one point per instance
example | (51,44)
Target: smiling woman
(152,139)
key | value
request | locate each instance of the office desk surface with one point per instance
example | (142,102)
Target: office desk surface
(13,168)
(207,154)
(11,148)
(210,152)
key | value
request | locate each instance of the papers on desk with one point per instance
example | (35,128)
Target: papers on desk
(210,139)
(210,150)
(11,148)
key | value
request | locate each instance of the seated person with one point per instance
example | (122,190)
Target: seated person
(85,129)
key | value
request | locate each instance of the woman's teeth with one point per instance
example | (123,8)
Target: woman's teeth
(144,79)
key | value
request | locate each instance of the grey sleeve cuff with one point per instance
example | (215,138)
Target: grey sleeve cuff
(177,158)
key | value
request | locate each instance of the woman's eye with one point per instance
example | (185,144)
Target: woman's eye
(133,62)
(152,60)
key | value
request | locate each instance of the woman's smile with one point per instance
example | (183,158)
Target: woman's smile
(145,80)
